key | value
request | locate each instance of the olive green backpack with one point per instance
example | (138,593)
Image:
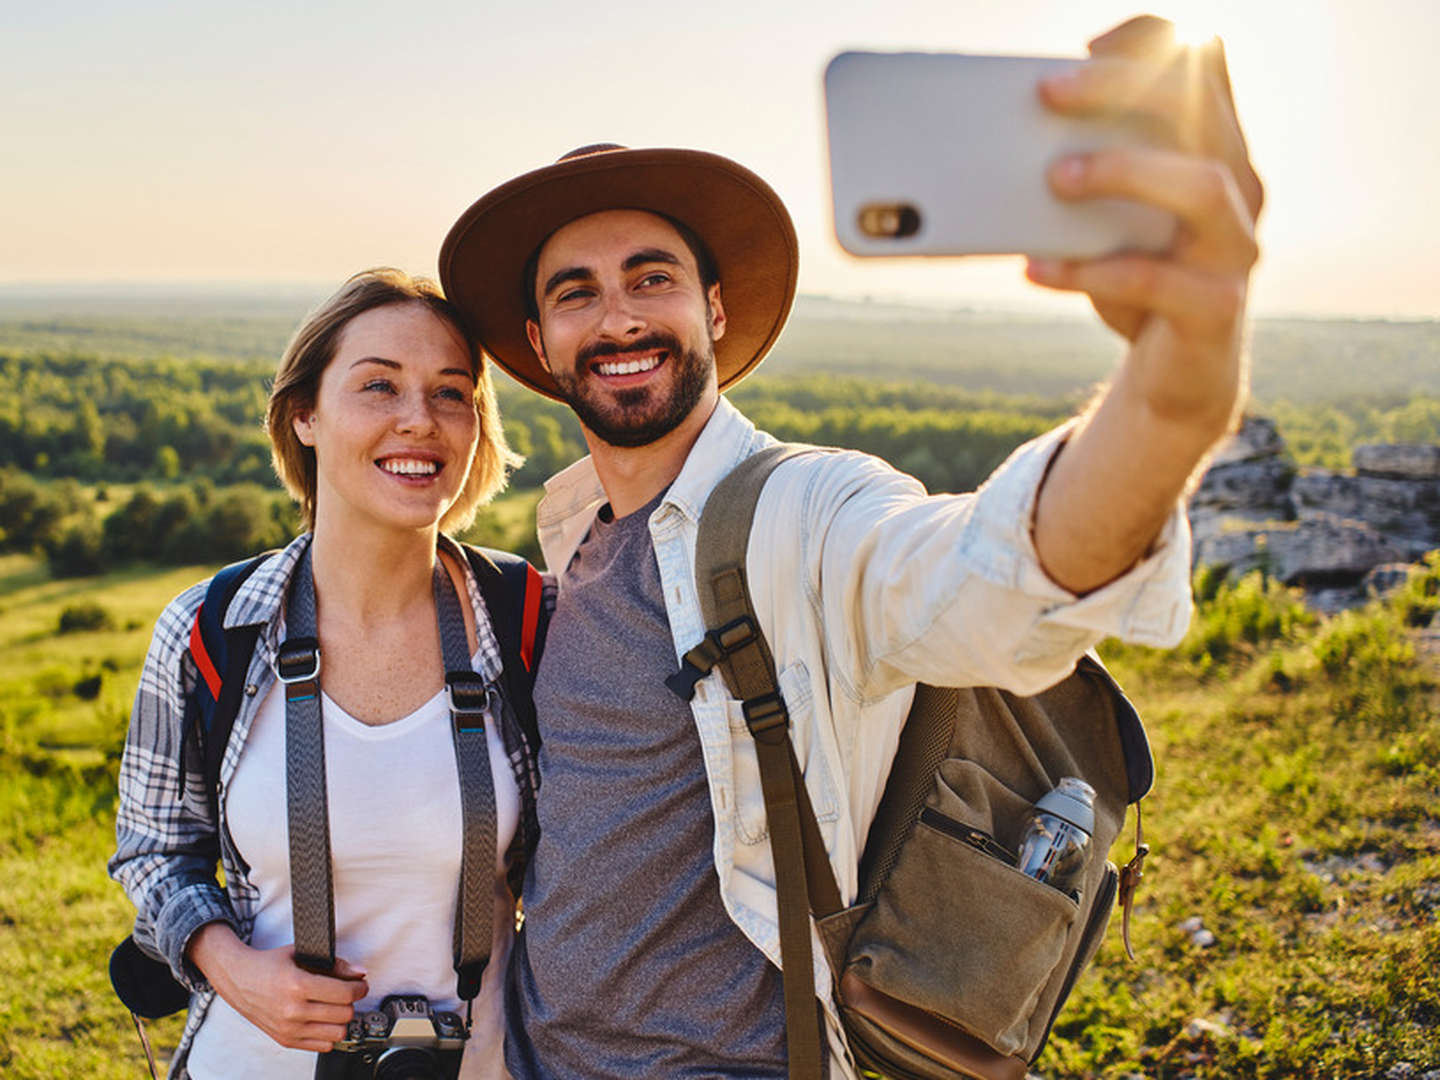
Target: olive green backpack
(951,962)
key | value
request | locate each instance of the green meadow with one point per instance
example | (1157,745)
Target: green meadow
(1289,920)
(1288,924)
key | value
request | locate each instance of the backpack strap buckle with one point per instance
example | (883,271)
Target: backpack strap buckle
(467,696)
(297,665)
(766,717)
(714,647)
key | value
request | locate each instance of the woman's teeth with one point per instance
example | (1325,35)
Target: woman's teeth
(410,466)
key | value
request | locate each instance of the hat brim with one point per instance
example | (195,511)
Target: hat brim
(738,216)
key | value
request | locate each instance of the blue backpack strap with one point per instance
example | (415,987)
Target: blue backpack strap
(144,984)
(513,592)
(222,659)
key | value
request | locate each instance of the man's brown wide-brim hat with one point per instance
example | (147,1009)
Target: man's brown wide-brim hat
(737,215)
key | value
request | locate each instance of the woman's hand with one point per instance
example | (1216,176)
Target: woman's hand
(295,1007)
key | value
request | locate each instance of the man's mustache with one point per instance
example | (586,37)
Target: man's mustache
(649,343)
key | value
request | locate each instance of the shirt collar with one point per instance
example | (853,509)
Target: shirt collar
(574,495)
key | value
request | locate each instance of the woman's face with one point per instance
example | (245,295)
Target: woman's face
(394,426)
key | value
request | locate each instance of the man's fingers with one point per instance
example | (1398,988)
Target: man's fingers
(1185,99)
(1203,305)
(1135,37)
(1201,193)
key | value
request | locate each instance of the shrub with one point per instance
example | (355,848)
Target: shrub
(88,688)
(86,616)
(1242,616)
(78,551)
(1417,601)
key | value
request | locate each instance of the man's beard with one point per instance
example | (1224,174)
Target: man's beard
(633,419)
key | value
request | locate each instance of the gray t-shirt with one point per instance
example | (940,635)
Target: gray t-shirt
(628,965)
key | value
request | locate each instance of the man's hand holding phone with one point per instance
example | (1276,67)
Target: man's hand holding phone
(1182,309)
(1144,127)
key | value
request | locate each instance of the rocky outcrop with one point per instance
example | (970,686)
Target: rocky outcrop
(1316,528)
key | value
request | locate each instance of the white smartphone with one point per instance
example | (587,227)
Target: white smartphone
(945,154)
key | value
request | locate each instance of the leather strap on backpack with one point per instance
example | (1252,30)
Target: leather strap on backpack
(736,645)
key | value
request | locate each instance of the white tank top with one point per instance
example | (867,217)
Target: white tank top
(395,836)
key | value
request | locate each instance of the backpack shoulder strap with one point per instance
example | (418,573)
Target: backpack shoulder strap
(222,658)
(513,592)
(735,643)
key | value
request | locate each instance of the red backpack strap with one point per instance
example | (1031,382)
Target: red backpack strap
(201,655)
(530,623)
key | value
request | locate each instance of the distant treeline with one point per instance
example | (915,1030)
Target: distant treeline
(193,428)
(80,533)
(121,420)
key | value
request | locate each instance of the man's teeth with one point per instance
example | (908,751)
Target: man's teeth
(628,367)
(410,466)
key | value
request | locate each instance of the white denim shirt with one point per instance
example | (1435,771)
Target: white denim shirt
(864,586)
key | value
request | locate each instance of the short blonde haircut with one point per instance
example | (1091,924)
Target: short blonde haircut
(297,383)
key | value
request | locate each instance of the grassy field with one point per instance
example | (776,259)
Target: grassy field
(1294,819)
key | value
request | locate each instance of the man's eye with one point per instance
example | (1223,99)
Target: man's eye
(572,296)
(658,277)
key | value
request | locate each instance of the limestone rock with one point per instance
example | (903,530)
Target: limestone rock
(1256,438)
(1319,551)
(1253,489)
(1414,460)
(1407,510)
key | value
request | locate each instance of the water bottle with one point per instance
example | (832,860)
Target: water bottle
(1056,842)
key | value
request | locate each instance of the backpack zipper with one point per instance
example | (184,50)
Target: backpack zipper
(967,834)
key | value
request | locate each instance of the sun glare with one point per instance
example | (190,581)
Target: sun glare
(1193,32)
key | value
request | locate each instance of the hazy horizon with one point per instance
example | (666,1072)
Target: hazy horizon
(200,143)
(310,292)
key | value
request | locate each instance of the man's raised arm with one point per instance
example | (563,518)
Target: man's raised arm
(1183,379)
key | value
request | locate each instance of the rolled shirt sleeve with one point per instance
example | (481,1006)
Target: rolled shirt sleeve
(949,589)
(167,843)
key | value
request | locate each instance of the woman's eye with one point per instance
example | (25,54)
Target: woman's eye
(383,385)
(453,393)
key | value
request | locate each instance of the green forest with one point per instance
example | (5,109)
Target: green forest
(1294,818)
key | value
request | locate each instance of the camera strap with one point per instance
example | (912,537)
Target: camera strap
(311,882)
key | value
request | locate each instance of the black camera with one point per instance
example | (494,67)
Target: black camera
(402,1040)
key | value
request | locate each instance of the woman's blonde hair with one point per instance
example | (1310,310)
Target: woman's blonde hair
(297,383)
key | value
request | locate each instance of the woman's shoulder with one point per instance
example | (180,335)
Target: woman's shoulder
(226,587)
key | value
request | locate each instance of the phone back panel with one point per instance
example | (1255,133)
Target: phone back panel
(965,142)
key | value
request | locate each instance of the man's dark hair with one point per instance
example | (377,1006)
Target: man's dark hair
(704,263)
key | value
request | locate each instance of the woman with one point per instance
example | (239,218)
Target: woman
(383,426)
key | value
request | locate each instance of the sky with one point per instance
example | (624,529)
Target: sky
(196,142)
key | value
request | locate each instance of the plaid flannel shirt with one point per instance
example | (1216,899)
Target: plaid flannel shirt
(167,840)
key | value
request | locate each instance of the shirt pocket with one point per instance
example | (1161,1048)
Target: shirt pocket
(751,825)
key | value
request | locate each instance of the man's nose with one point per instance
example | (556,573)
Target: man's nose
(619,318)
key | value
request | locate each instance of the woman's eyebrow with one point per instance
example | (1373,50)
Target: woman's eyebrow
(464,373)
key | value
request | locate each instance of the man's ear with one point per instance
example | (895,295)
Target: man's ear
(537,342)
(304,425)
(717,312)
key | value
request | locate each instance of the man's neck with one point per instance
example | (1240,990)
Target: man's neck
(632,476)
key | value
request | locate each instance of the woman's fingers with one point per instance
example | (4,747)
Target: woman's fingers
(1218,231)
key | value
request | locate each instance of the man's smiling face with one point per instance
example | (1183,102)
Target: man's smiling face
(627,327)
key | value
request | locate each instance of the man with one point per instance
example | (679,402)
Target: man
(636,285)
